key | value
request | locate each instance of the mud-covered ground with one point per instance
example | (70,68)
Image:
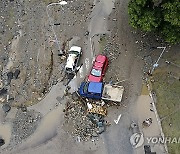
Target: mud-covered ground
(29,56)
(28,46)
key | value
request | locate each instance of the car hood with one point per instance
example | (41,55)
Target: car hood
(101,58)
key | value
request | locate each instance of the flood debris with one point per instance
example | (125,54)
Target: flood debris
(86,115)
(23,108)
(16,73)
(6,108)
(10,75)
(86,33)
(97,109)
(147,122)
(3,91)
(82,123)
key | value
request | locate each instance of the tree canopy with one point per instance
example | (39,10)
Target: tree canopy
(162,16)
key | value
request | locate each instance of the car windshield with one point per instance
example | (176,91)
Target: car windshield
(85,89)
(69,69)
(74,52)
(96,72)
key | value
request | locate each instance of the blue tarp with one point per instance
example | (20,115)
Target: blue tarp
(95,87)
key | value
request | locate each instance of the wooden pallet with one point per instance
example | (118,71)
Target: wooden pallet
(98,109)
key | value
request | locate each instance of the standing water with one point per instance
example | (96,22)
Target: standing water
(46,130)
(5,133)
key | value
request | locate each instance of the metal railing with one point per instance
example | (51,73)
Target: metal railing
(156,63)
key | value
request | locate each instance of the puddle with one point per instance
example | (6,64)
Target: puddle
(46,130)
(52,116)
(49,102)
(5,133)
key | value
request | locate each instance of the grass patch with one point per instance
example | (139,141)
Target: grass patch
(168,106)
(173,56)
(102,42)
(144,90)
(172,131)
(167,90)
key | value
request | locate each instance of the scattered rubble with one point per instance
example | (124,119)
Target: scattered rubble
(16,73)
(3,91)
(97,109)
(10,75)
(24,124)
(83,124)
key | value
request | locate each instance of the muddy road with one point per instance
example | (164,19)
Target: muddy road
(41,80)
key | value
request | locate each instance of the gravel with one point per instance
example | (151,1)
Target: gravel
(24,124)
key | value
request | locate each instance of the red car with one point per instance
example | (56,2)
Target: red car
(98,69)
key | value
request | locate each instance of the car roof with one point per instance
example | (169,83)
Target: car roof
(70,60)
(95,87)
(97,65)
(75,48)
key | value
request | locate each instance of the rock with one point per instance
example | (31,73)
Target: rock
(23,108)
(6,108)
(75,96)
(2,142)
(3,91)
(94,134)
(10,75)
(16,73)
(39,98)
(86,33)
(10,98)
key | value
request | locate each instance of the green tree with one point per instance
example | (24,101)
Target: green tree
(171,12)
(158,16)
(171,33)
(142,15)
